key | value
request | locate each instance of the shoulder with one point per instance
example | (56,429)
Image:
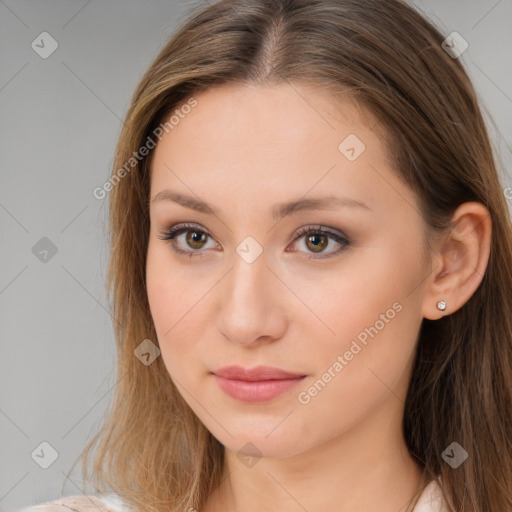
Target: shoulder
(432,499)
(80,503)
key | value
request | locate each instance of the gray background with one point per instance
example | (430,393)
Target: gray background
(60,119)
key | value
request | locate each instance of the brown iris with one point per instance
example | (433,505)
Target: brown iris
(314,239)
(195,237)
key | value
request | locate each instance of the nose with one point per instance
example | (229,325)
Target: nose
(252,304)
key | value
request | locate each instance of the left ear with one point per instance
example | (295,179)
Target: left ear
(459,261)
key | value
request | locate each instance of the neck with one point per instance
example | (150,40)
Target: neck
(362,470)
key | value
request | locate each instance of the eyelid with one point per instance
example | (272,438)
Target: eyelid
(317,228)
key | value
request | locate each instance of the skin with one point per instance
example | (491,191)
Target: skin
(242,149)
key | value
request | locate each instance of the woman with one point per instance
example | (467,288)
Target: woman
(310,269)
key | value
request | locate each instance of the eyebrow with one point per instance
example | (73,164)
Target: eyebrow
(278,211)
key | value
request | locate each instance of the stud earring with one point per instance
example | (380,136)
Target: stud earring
(441,305)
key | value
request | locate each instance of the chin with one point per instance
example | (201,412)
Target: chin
(261,439)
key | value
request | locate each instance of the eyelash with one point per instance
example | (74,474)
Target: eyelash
(174,231)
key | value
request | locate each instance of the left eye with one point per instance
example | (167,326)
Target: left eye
(316,239)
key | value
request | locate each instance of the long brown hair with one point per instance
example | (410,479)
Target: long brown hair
(152,450)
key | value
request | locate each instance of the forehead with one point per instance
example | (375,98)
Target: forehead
(268,142)
(278,113)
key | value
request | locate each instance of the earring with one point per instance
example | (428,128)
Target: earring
(441,305)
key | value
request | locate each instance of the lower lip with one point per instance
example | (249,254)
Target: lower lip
(256,391)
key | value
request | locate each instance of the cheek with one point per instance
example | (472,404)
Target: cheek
(374,285)
(167,289)
(176,309)
(165,297)
(369,317)
(160,293)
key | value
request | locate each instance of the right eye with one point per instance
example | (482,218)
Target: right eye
(195,238)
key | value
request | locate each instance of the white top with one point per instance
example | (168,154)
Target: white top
(114,502)
(431,500)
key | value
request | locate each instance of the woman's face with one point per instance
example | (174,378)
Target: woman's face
(339,308)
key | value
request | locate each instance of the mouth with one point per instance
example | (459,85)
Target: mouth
(255,385)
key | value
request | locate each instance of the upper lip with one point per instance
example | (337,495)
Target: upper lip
(255,374)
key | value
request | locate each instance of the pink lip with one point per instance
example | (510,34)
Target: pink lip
(258,384)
